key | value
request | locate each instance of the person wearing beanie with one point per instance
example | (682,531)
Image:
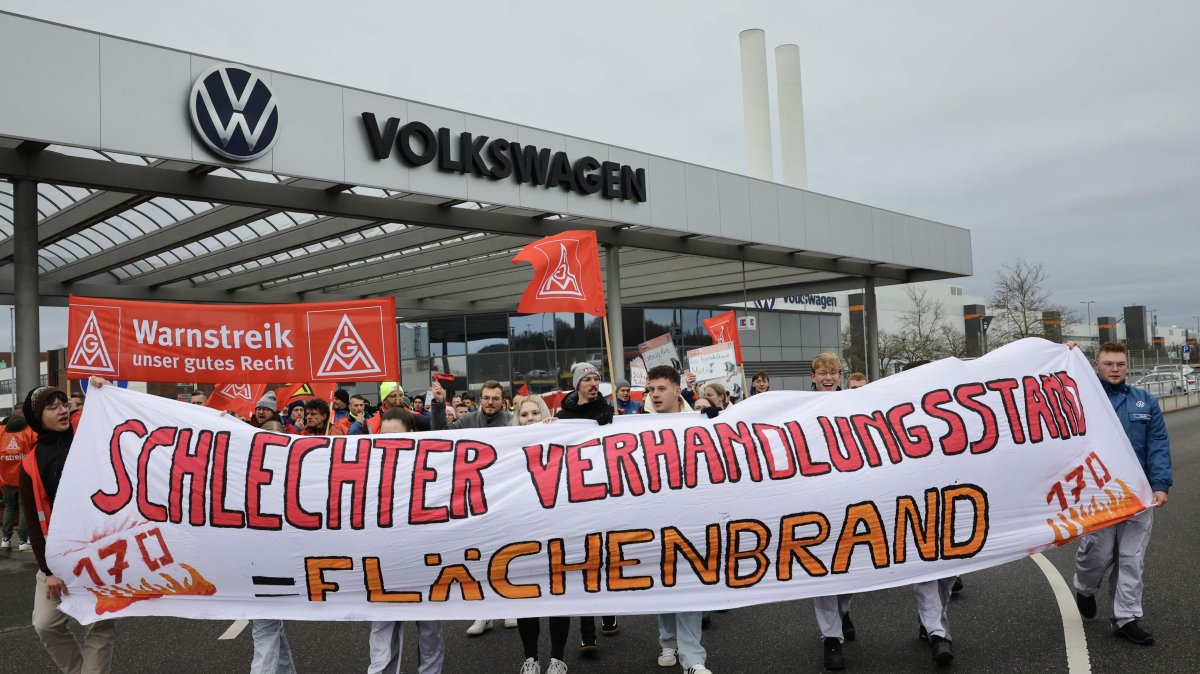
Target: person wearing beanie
(264,411)
(293,421)
(391,395)
(340,405)
(47,413)
(585,402)
(626,404)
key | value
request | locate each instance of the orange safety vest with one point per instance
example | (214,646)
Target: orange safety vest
(40,499)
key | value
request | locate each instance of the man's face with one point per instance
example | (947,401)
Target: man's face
(589,388)
(338,405)
(393,398)
(75,403)
(357,406)
(491,400)
(1112,366)
(197,399)
(454,402)
(315,420)
(664,395)
(461,409)
(761,384)
(418,404)
(826,378)
(263,414)
(856,383)
(297,413)
(623,393)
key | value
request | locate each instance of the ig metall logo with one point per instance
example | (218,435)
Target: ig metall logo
(235,112)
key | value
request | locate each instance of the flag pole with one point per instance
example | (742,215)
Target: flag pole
(611,369)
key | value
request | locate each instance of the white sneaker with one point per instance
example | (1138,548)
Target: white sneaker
(556,667)
(479,627)
(5,544)
(510,623)
(697,669)
(25,546)
(667,658)
(531,666)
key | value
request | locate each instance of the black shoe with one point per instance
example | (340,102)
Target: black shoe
(588,650)
(922,633)
(1134,632)
(957,587)
(705,621)
(610,630)
(943,652)
(848,630)
(1087,605)
(834,660)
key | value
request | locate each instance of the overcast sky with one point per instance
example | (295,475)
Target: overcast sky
(1065,132)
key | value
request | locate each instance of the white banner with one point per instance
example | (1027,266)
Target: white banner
(717,364)
(167,509)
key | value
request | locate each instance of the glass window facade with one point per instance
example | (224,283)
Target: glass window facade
(538,350)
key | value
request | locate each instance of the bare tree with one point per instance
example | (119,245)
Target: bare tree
(921,326)
(1018,300)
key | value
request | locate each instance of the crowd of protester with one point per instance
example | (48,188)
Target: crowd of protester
(35,443)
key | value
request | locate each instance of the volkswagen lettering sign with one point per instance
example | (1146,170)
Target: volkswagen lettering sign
(235,112)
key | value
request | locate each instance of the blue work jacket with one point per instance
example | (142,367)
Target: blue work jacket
(1143,422)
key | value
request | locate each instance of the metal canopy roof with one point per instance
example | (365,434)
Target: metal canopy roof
(207,242)
(132,206)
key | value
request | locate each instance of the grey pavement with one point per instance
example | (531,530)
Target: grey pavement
(1005,621)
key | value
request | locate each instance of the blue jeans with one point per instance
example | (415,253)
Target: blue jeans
(681,631)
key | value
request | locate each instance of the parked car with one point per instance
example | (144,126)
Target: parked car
(1167,383)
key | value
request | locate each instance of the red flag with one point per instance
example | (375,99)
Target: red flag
(723,328)
(566,275)
(524,390)
(236,397)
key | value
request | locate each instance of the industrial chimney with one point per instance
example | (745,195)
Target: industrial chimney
(791,115)
(757,106)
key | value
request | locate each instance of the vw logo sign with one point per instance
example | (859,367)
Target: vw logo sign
(235,112)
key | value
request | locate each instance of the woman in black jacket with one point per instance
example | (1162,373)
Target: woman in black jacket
(47,413)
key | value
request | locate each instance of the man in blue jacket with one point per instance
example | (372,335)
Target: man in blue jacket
(1122,547)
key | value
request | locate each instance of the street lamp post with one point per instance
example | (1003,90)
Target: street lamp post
(1089,304)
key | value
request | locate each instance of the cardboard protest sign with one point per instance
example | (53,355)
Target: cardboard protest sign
(717,364)
(251,343)
(660,351)
(169,509)
(637,372)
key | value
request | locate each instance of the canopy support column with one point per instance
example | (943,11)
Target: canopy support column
(869,308)
(612,278)
(25,287)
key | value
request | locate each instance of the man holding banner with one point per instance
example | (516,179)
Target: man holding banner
(678,633)
(1121,548)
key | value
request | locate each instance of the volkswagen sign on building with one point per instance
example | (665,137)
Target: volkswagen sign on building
(235,112)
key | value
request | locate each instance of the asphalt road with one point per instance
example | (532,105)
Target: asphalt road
(1007,620)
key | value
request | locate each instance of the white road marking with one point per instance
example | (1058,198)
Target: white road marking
(234,629)
(1078,661)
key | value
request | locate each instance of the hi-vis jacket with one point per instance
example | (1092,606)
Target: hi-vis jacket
(41,500)
(13,448)
(1143,422)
